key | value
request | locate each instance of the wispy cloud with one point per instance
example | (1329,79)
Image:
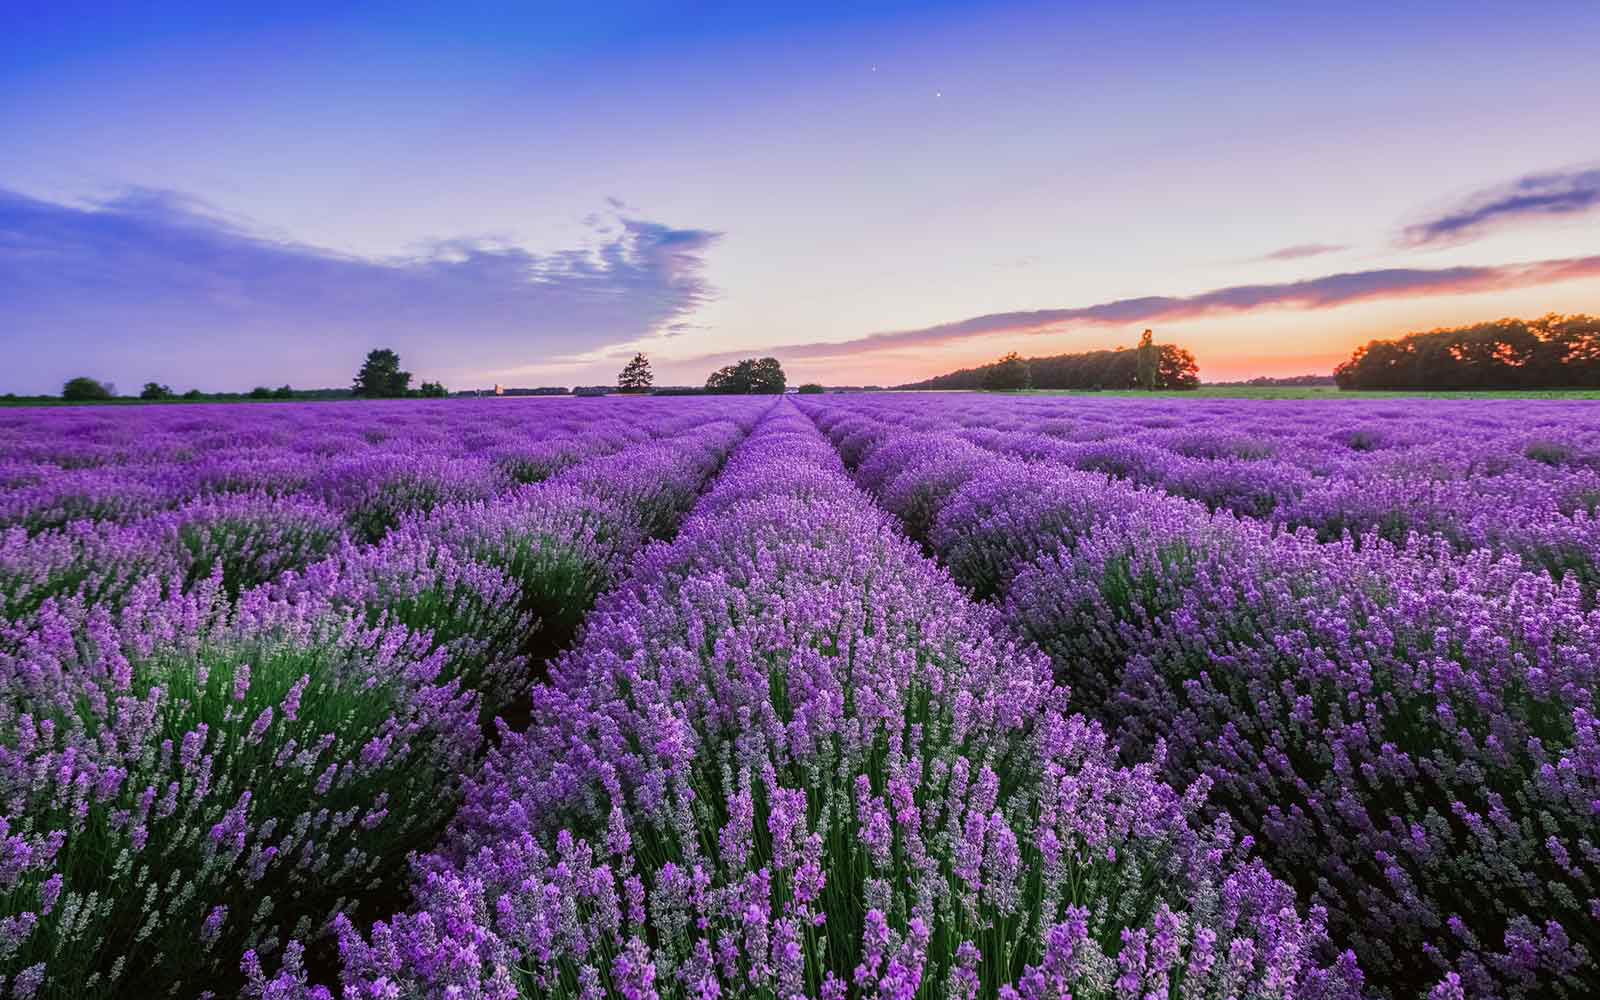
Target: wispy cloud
(152,284)
(1563,193)
(1302,250)
(1315,293)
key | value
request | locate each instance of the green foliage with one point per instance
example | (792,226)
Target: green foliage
(380,376)
(1010,372)
(260,392)
(811,389)
(636,375)
(1176,369)
(193,394)
(1093,370)
(155,390)
(753,376)
(1548,352)
(283,392)
(433,390)
(84,388)
(1149,359)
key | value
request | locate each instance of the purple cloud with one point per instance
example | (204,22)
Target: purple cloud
(153,285)
(1564,193)
(1302,250)
(1314,293)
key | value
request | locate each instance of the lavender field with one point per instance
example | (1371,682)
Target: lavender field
(877,696)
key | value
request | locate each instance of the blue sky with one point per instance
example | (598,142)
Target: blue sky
(875,192)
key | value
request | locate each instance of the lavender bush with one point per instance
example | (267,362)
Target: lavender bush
(691,697)
(1408,730)
(788,758)
(1413,738)
(185,779)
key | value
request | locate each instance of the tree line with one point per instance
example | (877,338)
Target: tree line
(1148,365)
(1551,352)
(380,377)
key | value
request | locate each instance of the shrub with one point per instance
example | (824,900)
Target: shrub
(376,490)
(100,564)
(788,757)
(84,388)
(250,539)
(1403,731)
(183,782)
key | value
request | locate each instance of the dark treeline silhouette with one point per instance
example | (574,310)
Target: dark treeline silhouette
(1551,352)
(1174,368)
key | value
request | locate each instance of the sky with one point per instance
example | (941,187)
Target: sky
(527,193)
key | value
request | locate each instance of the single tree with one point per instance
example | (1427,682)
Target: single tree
(1010,372)
(380,376)
(193,394)
(636,375)
(433,390)
(1177,369)
(766,376)
(83,387)
(283,392)
(1149,361)
(155,390)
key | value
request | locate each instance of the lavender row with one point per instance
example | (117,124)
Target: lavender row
(1519,477)
(788,758)
(370,464)
(1410,734)
(189,773)
(254,535)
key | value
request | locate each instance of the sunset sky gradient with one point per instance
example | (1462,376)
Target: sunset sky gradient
(875,192)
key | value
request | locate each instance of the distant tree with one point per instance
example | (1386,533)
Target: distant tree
(1116,368)
(260,392)
(193,394)
(811,389)
(155,390)
(83,387)
(636,375)
(380,376)
(750,376)
(1149,361)
(726,379)
(1010,372)
(1550,352)
(766,376)
(1176,369)
(283,392)
(433,390)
